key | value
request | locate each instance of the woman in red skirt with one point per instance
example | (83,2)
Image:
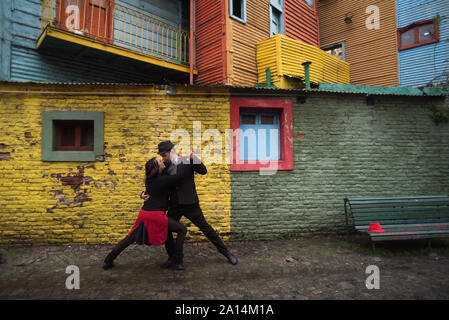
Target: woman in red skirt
(152,225)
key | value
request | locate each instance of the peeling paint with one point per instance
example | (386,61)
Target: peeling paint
(5,155)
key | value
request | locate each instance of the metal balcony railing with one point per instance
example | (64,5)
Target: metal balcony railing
(112,23)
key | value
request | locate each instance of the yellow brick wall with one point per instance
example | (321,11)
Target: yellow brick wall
(35,206)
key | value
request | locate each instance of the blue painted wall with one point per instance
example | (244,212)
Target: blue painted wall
(20,22)
(429,63)
(5,39)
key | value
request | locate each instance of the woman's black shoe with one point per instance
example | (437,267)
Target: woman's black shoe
(167,264)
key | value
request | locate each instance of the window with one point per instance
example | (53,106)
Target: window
(261,134)
(418,34)
(337,50)
(309,2)
(72,136)
(276,17)
(259,139)
(237,10)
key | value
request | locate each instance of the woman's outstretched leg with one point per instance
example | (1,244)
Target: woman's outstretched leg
(181,231)
(119,247)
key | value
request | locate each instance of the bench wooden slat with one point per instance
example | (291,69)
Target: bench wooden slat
(411,237)
(407,233)
(374,218)
(362,211)
(409,227)
(398,222)
(383,220)
(392,204)
(394,213)
(443,196)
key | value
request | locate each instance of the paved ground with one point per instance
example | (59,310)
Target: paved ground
(317,268)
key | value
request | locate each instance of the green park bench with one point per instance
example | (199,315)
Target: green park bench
(402,218)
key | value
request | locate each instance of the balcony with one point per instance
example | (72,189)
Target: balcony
(110,26)
(284,57)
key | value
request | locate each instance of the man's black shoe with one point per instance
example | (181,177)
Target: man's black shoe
(176,266)
(231,258)
(107,265)
(174,263)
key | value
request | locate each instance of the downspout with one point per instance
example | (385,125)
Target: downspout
(307,73)
(268,77)
(191,41)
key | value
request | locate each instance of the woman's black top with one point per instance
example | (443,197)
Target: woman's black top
(159,188)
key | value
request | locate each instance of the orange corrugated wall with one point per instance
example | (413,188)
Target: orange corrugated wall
(209,23)
(243,69)
(301,21)
(372,54)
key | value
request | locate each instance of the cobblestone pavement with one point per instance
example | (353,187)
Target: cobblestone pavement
(313,268)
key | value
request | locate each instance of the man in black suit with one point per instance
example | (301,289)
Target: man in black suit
(184,200)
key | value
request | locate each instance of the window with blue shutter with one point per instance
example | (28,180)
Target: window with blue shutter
(259,135)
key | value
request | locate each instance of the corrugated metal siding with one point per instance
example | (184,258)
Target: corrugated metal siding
(284,56)
(372,54)
(244,42)
(25,30)
(209,20)
(421,65)
(28,65)
(301,22)
(165,10)
(5,39)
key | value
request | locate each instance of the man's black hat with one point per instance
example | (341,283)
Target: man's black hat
(165,146)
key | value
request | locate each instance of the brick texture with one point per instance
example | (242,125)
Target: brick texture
(342,147)
(97,202)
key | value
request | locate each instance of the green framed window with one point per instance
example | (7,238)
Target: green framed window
(72,135)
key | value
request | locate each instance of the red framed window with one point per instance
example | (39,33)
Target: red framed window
(265,114)
(418,34)
(74,135)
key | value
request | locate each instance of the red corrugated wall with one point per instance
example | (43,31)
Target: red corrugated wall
(209,18)
(301,21)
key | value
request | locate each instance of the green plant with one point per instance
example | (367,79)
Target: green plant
(439,115)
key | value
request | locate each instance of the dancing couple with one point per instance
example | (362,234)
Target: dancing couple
(170,193)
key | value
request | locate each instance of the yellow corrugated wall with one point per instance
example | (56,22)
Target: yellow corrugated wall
(284,56)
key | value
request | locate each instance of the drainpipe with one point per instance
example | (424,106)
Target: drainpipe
(268,76)
(307,72)
(191,41)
